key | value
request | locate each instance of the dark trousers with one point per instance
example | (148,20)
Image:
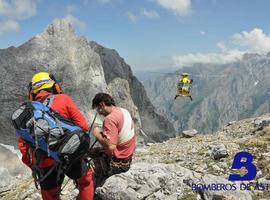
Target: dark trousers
(106,166)
(79,172)
(55,174)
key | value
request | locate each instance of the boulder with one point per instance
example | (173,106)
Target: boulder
(148,181)
(11,161)
(262,121)
(223,194)
(5,179)
(189,133)
(218,150)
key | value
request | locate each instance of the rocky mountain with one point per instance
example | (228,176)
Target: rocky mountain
(83,69)
(168,170)
(221,93)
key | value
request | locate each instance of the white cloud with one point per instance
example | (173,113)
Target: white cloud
(144,13)
(256,41)
(9,26)
(222,46)
(208,58)
(149,13)
(18,9)
(202,32)
(13,10)
(132,17)
(75,21)
(178,7)
(224,56)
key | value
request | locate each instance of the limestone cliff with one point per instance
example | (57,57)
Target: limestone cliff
(82,73)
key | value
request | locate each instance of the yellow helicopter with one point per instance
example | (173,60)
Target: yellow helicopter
(184,86)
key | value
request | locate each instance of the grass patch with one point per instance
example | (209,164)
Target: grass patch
(259,143)
(188,195)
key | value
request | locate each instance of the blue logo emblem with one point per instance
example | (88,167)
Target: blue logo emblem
(243,159)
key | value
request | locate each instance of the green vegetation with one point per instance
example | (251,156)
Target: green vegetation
(188,195)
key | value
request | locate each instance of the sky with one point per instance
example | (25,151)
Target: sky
(149,34)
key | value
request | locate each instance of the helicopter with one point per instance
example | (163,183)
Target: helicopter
(185,82)
(184,86)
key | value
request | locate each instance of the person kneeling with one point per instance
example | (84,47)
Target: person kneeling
(117,139)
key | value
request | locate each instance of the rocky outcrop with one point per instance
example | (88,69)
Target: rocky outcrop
(81,72)
(181,168)
(262,121)
(160,181)
(189,133)
(147,181)
(211,156)
(10,160)
(11,169)
(57,50)
(218,151)
(228,194)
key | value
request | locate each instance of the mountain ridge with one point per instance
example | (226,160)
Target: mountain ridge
(59,49)
(221,93)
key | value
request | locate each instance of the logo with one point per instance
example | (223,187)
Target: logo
(243,159)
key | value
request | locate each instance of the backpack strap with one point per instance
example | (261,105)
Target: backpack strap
(55,166)
(48,100)
(36,137)
(42,99)
(38,174)
(36,171)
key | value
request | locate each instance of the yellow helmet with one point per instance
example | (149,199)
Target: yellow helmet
(41,80)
